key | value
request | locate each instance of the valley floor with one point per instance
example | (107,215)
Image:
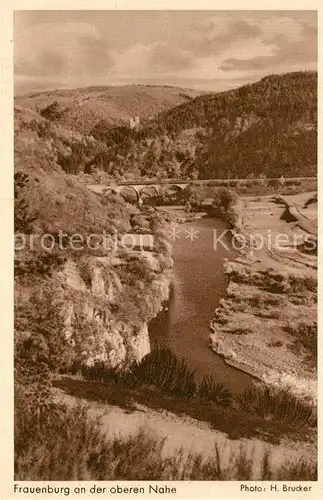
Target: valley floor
(267,323)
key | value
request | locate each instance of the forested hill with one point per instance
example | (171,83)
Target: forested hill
(268,128)
(116,105)
(288,97)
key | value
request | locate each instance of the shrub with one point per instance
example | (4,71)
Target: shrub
(99,371)
(42,264)
(211,391)
(52,112)
(86,272)
(274,184)
(295,471)
(22,218)
(301,283)
(275,405)
(305,335)
(225,198)
(275,343)
(162,368)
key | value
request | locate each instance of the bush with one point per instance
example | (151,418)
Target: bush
(162,368)
(22,218)
(99,372)
(305,336)
(42,264)
(275,405)
(224,198)
(217,393)
(52,112)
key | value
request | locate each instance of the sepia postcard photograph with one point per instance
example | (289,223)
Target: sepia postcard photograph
(165,250)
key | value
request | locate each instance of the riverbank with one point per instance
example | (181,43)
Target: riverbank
(267,323)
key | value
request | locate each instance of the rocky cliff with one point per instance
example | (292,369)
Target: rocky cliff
(92,308)
(75,304)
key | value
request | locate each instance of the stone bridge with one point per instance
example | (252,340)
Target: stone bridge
(154,187)
(141,189)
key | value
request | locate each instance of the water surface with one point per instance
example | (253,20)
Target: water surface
(199,283)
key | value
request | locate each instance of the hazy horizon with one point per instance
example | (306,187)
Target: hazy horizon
(197,89)
(209,51)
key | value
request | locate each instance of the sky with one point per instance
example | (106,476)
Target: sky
(206,50)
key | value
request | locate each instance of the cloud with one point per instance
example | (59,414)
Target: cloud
(255,41)
(166,58)
(67,50)
(281,25)
(215,35)
(291,45)
(157,58)
(80,48)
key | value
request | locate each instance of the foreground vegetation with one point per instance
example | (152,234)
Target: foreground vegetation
(53,442)
(163,372)
(65,444)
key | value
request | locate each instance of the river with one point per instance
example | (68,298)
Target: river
(198,285)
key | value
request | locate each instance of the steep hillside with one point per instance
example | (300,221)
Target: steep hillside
(265,129)
(80,293)
(268,128)
(84,107)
